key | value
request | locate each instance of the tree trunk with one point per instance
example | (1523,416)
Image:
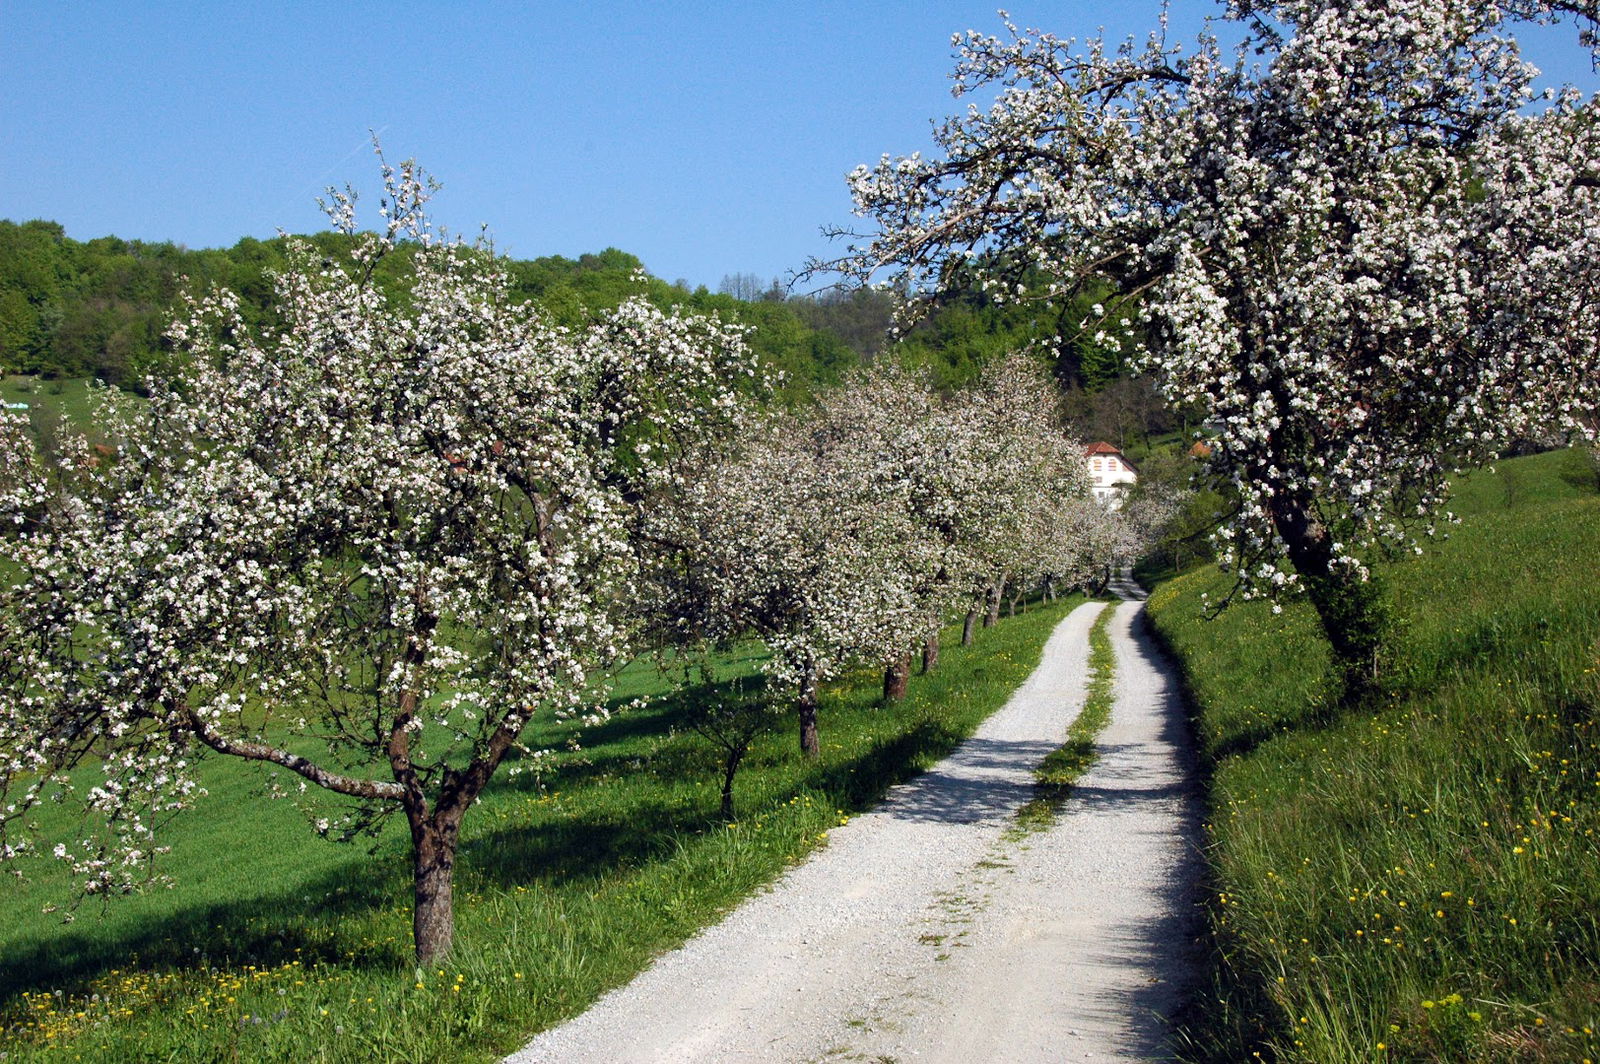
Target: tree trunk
(896,677)
(730,768)
(967,626)
(930,652)
(433,836)
(992,617)
(433,923)
(1351,611)
(807,707)
(1102,581)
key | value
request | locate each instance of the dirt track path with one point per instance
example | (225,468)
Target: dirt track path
(923,932)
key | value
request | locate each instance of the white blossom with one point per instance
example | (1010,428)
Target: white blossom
(1358,242)
(367,543)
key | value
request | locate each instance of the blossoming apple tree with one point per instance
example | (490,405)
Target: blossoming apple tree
(1361,242)
(364,545)
(801,534)
(848,531)
(1017,488)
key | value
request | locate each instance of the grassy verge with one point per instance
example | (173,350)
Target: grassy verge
(275,945)
(1062,767)
(1419,883)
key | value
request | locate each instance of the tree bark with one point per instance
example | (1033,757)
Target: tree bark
(730,768)
(806,705)
(433,923)
(1351,611)
(967,626)
(433,836)
(992,617)
(896,678)
(930,652)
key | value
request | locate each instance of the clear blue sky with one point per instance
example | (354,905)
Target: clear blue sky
(707,138)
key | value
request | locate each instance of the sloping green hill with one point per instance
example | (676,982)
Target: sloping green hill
(1420,883)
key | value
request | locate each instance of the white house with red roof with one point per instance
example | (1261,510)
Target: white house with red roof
(1110,473)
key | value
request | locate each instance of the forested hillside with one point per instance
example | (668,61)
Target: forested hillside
(97,309)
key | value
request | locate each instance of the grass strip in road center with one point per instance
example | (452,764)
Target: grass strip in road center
(1063,766)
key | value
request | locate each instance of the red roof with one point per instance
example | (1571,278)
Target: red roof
(1102,448)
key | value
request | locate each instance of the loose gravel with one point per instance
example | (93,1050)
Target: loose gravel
(932,929)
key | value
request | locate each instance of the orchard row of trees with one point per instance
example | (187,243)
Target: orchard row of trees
(368,537)
(848,531)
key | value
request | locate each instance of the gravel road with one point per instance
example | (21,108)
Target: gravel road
(926,931)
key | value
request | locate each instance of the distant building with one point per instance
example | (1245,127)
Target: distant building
(1110,474)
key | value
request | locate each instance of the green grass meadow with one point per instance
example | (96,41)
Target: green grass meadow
(1420,882)
(274,944)
(68,400)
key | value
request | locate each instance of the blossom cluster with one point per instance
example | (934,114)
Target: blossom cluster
(365,542)
(1360,242)
(847,531)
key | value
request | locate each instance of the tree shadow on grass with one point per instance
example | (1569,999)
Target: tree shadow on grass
(611,748)
(627,723)
(305,923)
(629,833)
(587,847)
(269,930)
(861,781)
(583,848)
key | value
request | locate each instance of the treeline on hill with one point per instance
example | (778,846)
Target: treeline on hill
(97,310)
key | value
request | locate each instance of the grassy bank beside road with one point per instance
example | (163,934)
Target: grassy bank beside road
(275,945)
(1420,882)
